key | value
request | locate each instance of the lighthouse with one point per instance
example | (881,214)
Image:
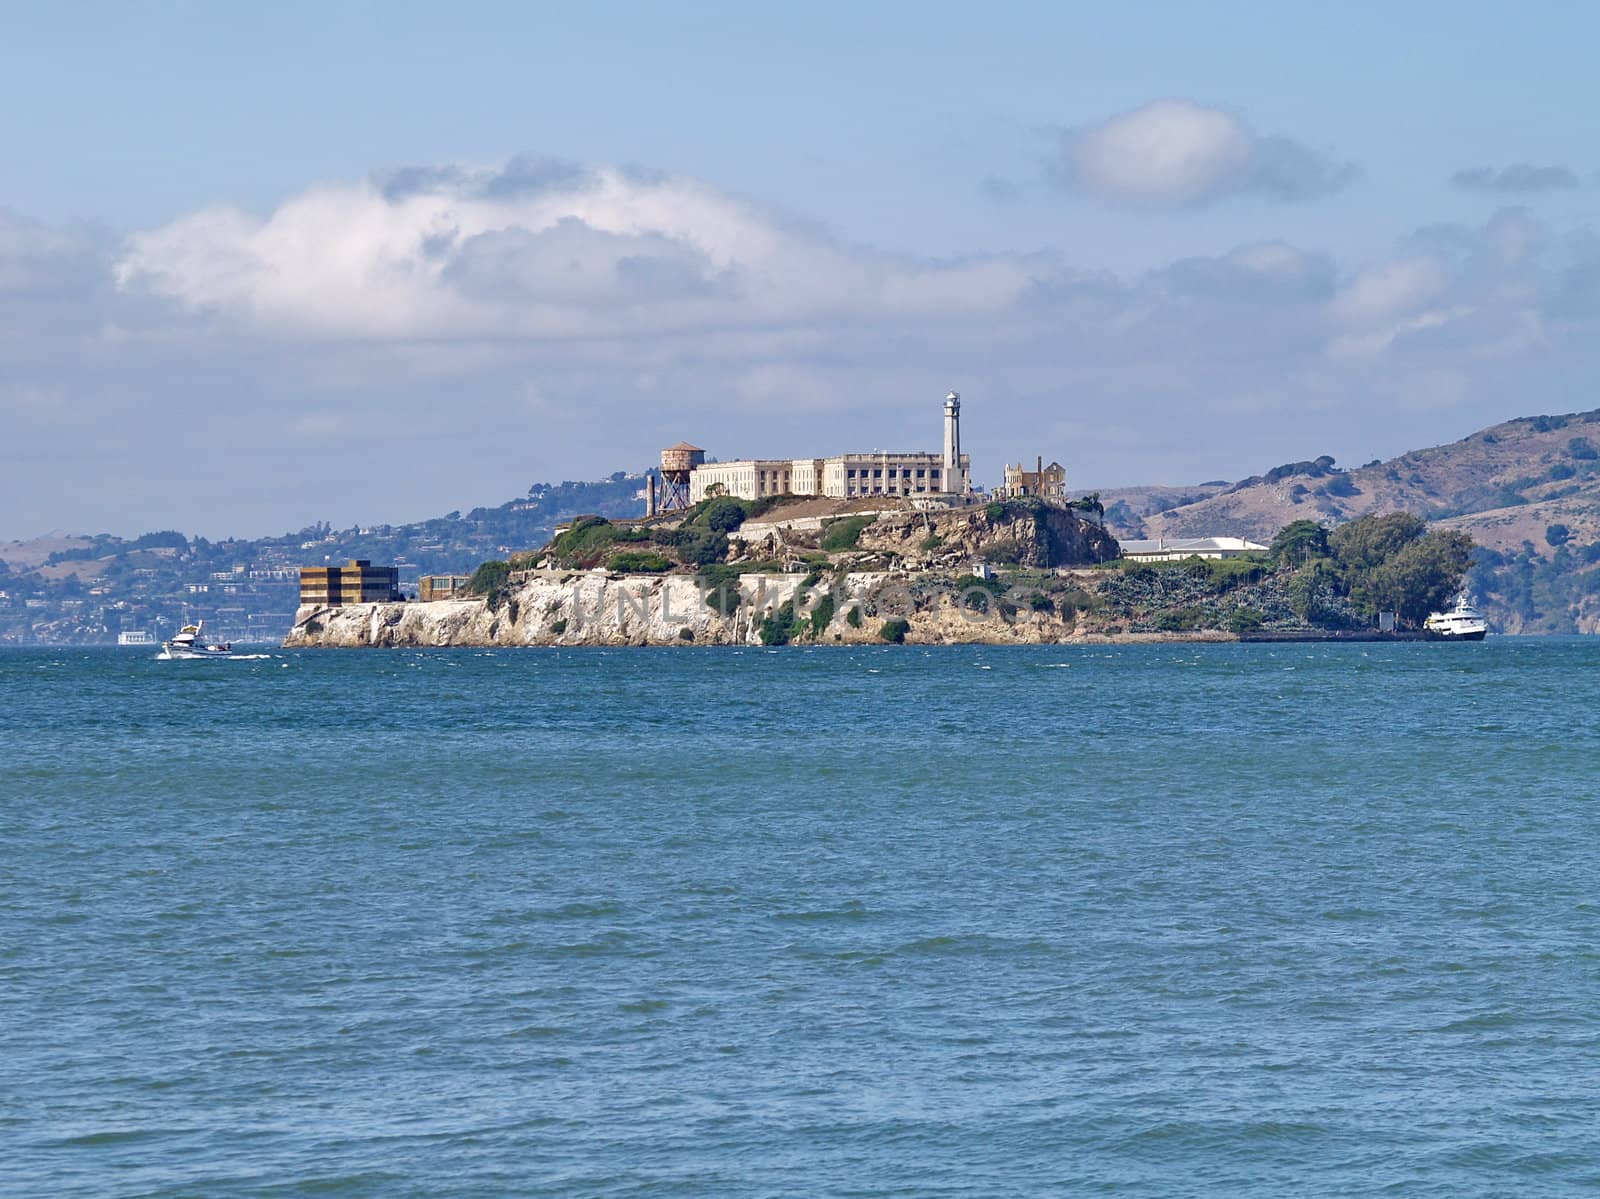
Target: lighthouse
(954,478)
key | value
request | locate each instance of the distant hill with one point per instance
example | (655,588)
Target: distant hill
(79,589)
(1527,490)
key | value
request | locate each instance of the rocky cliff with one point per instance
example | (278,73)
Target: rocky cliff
(595,608)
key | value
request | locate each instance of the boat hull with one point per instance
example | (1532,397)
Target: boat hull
(175,652)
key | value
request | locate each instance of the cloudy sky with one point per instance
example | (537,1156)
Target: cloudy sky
(264,265)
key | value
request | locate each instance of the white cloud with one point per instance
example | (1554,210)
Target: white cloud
(462,253)
(1175,153)
(459,333)
(1383,292)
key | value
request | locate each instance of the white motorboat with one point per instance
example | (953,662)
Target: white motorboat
(1462,623)
(188,644)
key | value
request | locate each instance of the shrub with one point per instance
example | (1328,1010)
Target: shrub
(853,618)
(1180,620)
(1224,574)
(994,510)
(894,631)
(1561,470)
(931,542)
(1041,603)
(1075,600)
(313,627)
(489,578)
(781,626)
(966,583)
(638,562)
(705,547)
(1582,449)
(1557,534)
(844,533)
(1245,620)
(722,515)
(822,615)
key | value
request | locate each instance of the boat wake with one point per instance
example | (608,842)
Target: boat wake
(164,656)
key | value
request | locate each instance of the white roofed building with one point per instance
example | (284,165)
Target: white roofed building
(1175,549)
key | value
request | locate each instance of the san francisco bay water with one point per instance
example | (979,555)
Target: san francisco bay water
(1226,920)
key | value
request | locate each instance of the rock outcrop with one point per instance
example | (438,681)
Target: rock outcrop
(595,608)
(1022,533)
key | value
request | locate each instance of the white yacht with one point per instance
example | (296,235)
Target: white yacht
(1462,623)
(187,644)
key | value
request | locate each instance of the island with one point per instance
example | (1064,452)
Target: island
(788,570)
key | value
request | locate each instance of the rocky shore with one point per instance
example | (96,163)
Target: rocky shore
(597,608)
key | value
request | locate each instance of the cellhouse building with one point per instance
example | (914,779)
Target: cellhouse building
(875,472)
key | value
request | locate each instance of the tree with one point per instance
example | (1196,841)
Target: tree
(1557,534)
(1307,588)
(1369,542)
(1423,576)
(489,578)
(1298,542)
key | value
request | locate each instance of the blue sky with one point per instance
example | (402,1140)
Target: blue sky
(478,246)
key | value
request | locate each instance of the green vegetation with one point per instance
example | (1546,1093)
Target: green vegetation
(822,614)
(1220,574)
(1074,600)
(1298,542)
(1224,574)
(696,546)
(1557,534)
(894,631)
(853,618)
(638,562)
(722,515)
(966,583)
(590,539)
(782,626)
(1245,620)
(929,543)
(721,583)
(844,533)
(489,578)
(1180,620)
(1390,563)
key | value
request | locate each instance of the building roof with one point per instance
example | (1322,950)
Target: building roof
(684,445)
(1189,545)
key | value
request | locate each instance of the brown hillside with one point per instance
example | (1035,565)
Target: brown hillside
(1548,466)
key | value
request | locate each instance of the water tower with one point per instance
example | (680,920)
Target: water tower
(676,463)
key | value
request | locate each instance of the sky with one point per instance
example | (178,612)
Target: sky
(267,265)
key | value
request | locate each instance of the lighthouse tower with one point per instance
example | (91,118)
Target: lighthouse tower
(954,479)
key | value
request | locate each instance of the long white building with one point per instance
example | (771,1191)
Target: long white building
(876,472)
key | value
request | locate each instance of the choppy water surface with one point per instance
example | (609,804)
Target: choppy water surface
(1232,920)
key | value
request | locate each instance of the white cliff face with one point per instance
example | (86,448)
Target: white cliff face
(596,608)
